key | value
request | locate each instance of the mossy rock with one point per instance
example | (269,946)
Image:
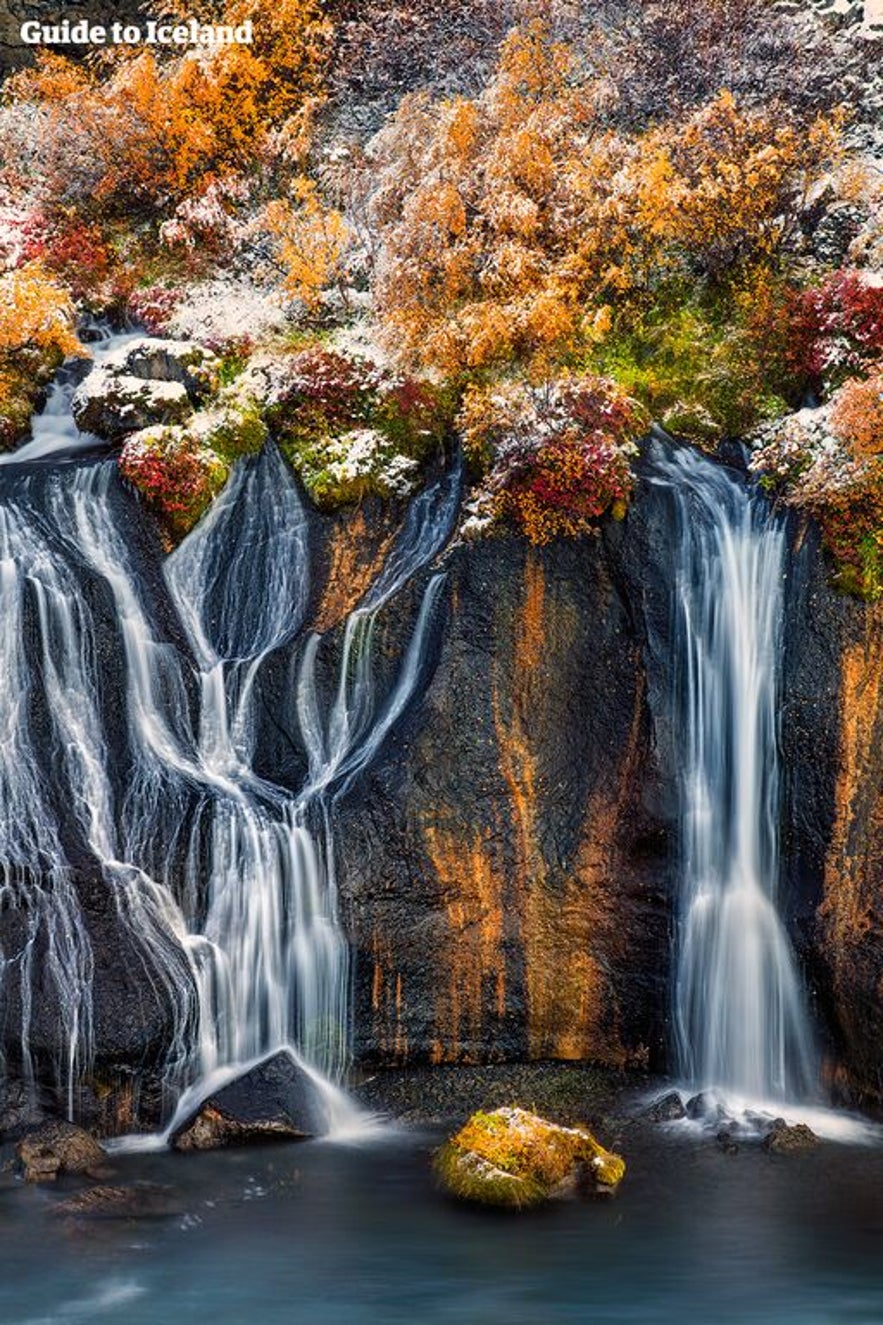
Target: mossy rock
(514,1159)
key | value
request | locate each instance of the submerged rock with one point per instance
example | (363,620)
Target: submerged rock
(790,1139)
(57,1148)
(515,1159)
(275,1101)
(143,1200)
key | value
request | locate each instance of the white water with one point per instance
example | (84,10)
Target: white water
(224,878)
(741,1020)
(54,434)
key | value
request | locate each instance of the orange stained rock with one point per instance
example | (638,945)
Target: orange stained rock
(851,866)
(472,889)
(355,558)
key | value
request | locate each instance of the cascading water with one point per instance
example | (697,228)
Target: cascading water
(741,1020)
(211,866)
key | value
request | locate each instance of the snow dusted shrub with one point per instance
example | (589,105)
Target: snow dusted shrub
(835,330)
(175,472)
(556,457)
(153,307)
(352,465)
(828,462)
(352,428)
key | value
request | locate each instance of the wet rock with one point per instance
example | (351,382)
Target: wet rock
(141,1200)
(790,1139)
(514,1159)
(506,865)
(727,1139)
(57,1148)
(703,1106)
(180,361)
(142,384)
(275,1101)
(667,1109)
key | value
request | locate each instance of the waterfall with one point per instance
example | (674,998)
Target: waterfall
(740,1014)
(223,877)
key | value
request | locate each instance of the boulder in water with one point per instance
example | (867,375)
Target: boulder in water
(704,1106)
(57,1148)
(512,1158)
(275,1101)
(790,1139)
(669,1108)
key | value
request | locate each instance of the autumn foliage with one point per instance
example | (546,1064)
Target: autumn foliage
(557,456)
(36,334)
(518,228)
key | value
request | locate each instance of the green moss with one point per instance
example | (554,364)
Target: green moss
(515,1159)
(470,1178)
(240,431)
(691,362)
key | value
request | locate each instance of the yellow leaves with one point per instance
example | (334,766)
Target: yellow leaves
(516,207)
(441,205)
(312,240)
(35,312)
(532,68)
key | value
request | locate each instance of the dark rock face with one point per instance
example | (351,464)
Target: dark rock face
(275,1101)
(507,864)
(832,814)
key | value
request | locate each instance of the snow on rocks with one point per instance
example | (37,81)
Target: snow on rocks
(143,383)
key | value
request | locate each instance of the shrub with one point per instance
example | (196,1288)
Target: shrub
(835,330)
(351,428)
(36,334)
(176,472)
(828,463)
(555,458)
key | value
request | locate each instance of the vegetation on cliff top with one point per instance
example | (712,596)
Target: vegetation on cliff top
(559,238)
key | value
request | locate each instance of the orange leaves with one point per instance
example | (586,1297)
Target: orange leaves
(155,129)
(512,224)
(727,185)
(35,312)
(857,417)
(312,240)
(36,333)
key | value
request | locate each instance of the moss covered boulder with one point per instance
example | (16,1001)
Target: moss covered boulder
(515,1159)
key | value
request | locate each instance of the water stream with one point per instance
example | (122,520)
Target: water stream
(742,1027)
(224,880)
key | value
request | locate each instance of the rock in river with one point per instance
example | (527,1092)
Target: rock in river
(274,1101)
(790,1139)
(57,1148)
(515,1159)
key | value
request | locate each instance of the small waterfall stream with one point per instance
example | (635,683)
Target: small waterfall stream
(741,1020)
(211,866)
